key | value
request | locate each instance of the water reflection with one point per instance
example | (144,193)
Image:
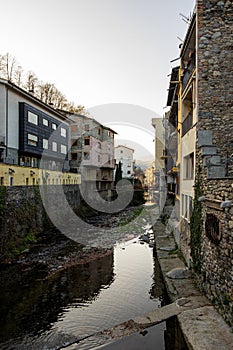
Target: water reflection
(38,313)
(32,305)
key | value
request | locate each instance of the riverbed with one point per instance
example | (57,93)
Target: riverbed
(71,305)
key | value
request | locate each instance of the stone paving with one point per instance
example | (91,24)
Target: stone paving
(202,326)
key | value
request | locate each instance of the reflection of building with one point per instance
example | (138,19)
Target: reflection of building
(160,184)
(92,152)
(124,155)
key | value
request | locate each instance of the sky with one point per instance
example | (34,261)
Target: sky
(112,56)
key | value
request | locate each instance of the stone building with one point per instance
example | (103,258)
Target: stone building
(204,129)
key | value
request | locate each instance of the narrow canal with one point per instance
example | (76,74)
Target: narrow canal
(38,313)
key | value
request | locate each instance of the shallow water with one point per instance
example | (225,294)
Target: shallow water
(49,314)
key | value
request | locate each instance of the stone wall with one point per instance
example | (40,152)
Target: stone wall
(22,214)
(216,277)
(214,67)
(215,115)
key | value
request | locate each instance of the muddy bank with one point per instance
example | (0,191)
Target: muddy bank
(54,252)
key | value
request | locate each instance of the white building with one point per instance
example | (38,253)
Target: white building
(124,155)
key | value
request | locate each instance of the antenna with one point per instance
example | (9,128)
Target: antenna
(184,18)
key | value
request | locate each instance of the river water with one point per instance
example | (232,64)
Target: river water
(38,313)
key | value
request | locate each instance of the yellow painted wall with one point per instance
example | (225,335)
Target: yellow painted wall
(12,175)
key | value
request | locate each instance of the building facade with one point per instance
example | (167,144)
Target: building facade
(203,119)
(92,152)
(33,135)
(160,180)
(30,129)
(124,155)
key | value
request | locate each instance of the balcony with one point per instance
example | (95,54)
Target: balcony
(187,124)
(188,72)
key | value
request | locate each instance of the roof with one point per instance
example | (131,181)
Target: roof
(173,85)
(28,95)
(131,149)
(188,35)
(87,118)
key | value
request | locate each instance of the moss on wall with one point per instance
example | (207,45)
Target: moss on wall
(196,227)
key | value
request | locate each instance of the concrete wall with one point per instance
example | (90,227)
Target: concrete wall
(22,176)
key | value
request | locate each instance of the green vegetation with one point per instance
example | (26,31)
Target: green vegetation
(118,174)
(196,228)
(164,218)
(2,205)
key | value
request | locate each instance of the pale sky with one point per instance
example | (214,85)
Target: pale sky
(99,52)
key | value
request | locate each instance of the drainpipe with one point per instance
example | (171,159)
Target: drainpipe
(6,141)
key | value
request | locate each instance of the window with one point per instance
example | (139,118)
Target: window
(189,166)
(99,145)
(54,146)
(86,155)
(98,158)
(32,118)
(121,151)
(11,181)
(86,127)
(34,163)
(32,140)
(45,143)
(45,122)
(99,131)
(74,142)
(63,132)
(128,172)
(74,128)
(74,156)
(63,149)
(86,141)
(2,181)
(54,126)
(187,206)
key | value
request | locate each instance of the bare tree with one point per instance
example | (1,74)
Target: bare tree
(18,75)
(8,64)
(31,82)
(46,92)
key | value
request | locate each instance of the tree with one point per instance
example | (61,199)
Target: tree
(18,74)
(46,92)
(31,82)
(118,174)
(7,66)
